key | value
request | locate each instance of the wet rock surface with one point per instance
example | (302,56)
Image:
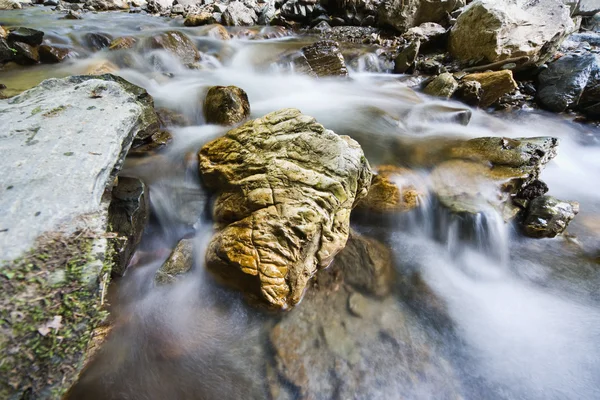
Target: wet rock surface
(226,105)
(32,37)
(180,261)
(176,43)
(494,85)
(404,14)
(286,187)
(547,217)
(444,85)
(128,214)
(53,54)
(489,30)
(393,189)
(325,59)
(331,344)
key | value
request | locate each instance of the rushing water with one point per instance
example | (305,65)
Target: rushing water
(525,314)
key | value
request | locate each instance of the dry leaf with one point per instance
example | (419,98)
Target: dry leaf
(55,324)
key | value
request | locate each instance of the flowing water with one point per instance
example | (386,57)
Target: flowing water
(524,314)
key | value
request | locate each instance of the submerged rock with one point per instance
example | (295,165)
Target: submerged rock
(176,43)
(128,214)
(563,83)
(494,85)
(490,30)
(325,59)
(100,67)
(179,262)
(547,216)
(286,186)
(393,189)
(444,85)
(97,41)
(226,105)
(404,14)
(53,54)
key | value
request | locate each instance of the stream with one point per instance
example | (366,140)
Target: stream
(521,316)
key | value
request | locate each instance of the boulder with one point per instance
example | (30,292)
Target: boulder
(25,54)
(6,52)
(393,189)
(180,261)
(407,57)
(486,173)
(342,344)
(159,6)
(547,216)
(226,105)
(587,7)
(325,59)
(238,14)
(354,12)
(469,92)
(494,84)
(203,18)
(53,54)
(107,5)
(490,30)
(54,222)
(301,10)
(32,37)
(100,67)
(563,83)
(444,85)
(128,214)
(176,43)
(97,41)
(405,14)
(286,186)
(429,35)
(10,5)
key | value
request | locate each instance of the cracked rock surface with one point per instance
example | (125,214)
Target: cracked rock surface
(285,188)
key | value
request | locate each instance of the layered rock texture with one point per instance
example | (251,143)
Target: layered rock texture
(286,186)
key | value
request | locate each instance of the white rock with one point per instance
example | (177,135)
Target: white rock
(61,144)
(9,5)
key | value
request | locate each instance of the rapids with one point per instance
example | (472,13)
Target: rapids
(525,314)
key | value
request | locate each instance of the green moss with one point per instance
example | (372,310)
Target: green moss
(45,323)
(36,110)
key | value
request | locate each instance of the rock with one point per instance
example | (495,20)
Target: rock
(323,351)
(354,12)
(547,216)
(429,34)
(156,141)
(51,3)
(325,59)
(393,189)
(97,41)
(404,14)
(128,214)
(487,172)
(494,85)
(407,57)
(25,54)
(226,105)
(470,92)
(237,14)
(32,37)
(107,5)
(6,52)
(100,67)
(368,265)
(125,42)
(10,5)
(299,10)
(177,44)
(53,54)
(177,9)
(159,6)
(71,14)
(286,186)
(490,30)
(204,18)
(535,189)
(179,262)
(587,7)
(444,85)
(55,210)
(170,118)
(217,31)
(563,83)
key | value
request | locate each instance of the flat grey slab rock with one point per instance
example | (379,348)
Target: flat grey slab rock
(61,145)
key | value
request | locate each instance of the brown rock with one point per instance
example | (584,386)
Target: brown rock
(494,85)
(325,58)
(100,67)
(53,54)
(393,189)
(217,31)
(444,85)
(125,42)
(26,54)
(169,117)
(286,186)
(204,18)
(179,262)
(226,105)
(176,43)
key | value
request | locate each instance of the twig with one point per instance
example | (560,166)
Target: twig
(494,65)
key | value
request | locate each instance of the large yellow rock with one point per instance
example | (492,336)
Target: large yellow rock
(495,84)
(393,189)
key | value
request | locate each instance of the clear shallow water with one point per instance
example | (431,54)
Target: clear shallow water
(524,314)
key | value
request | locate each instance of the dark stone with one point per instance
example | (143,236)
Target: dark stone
(563,83)
(547,217)
(226,105)
(30,36)
(179,262)
(52,54)
(97,41)
(407,57)
(26,54)
(535,189)
(6,53)
(325,58)
(127,214)
(469,92)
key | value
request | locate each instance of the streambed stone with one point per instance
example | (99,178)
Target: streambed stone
(393,189)
(285,188)
(226,105)
(179,262)
(547,217)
